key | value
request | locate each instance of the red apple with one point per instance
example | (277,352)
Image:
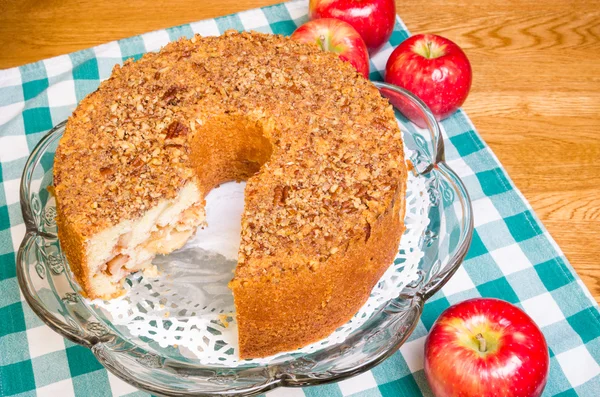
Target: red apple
(336,36)
(434,69)
(373,19)
(486,347)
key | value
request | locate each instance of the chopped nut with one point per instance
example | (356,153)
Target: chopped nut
(284,194)
(367,230)
(170,95)
(176,129)
(137,163)
(106,171)
(278,195)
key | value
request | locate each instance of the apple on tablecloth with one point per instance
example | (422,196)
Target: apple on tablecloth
(338,37)
(373,19)
(486,347)
(434,69)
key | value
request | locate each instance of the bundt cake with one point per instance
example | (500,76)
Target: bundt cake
(320,150)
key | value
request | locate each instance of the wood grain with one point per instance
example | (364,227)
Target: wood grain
(535,95)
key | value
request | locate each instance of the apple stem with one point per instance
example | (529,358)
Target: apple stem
(482,343)
(428,51)
(324,42)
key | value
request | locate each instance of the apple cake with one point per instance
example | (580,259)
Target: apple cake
(320,150)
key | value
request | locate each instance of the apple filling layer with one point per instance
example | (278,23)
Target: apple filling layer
(131,245)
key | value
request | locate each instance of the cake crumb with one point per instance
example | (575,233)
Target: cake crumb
(151,271)
(223,318)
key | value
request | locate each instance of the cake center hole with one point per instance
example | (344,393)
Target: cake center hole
(229,148)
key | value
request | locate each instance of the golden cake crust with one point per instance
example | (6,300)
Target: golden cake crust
(318,145)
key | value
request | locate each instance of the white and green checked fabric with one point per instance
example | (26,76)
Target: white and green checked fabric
(512,256)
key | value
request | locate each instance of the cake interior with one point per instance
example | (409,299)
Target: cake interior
(131,245)
(229,148)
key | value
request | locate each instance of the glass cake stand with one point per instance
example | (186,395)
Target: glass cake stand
(439,248)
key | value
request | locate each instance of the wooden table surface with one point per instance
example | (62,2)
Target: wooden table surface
(535,95)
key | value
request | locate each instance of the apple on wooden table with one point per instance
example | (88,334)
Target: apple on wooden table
(486,347)
(338,37)
(373,19)
(433,68)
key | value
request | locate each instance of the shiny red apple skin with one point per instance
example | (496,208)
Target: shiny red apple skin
(336,36)
(515,364)
(442,82)
(373,19)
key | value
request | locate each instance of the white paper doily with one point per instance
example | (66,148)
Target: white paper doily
(189,305)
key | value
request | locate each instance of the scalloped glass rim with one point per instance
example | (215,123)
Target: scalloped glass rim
(383,335)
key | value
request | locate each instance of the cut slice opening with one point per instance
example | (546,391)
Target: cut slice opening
(226,148)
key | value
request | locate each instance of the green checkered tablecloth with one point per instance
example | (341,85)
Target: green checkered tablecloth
(512,256)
